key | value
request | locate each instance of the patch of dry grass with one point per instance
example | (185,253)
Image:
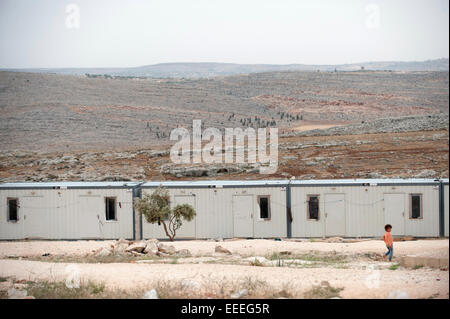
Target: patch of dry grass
(322,292)
(166,289)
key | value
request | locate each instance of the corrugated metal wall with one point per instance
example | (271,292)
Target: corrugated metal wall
(215,213)
(80,213)
(365,210)
(66,214)
(446,219)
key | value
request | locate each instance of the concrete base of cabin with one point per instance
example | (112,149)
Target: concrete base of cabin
(264,268)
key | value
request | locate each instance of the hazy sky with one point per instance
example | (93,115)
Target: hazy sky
(133,33)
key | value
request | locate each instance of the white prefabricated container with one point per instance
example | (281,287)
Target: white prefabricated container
(67,210)
(352,208)
(446,199)
(225,209)
(347,208)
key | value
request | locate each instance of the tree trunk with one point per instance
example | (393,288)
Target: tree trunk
(165,230)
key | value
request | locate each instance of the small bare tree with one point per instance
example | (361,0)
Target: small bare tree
(156,209)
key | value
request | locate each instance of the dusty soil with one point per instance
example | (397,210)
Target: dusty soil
(255,247)
(407,154)
(361,274)
(313,126)
(62,113)
(60,127)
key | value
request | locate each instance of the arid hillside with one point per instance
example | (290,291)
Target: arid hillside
(332,125)
(403,154)
(78,113)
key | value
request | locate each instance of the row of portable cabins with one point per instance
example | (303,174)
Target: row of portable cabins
(248,209)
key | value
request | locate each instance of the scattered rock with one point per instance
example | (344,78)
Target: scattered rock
(151,248)
(120,248)
(151,294)
(220,249)
(166,249)
(375,175)
(135,253)
(257,259)
(426,173)
(190,284)
(240,294)
(14,293)
(184,253)
(122,241)
(137,247)
(103,252)
(438,121)
(20,286)
(152,240)
(209,170)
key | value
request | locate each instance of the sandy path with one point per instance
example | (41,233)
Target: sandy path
(421,283)
(261,247)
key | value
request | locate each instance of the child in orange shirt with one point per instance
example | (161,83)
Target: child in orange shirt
(387,237)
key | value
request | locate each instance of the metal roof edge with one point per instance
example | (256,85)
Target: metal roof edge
(366,182)
(215,184)
(222,183)
(67,185)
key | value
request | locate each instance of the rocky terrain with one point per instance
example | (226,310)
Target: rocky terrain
(420,154)
(78,113)
(332,125)
(438,121)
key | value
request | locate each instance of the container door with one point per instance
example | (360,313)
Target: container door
(89,221)
(187,229)
(394,212)
(334,206)
(36,217)
(243,216)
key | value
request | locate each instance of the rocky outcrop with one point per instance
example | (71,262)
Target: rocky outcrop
(150,247)
(222,250)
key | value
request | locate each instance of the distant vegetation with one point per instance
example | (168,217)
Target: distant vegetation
(107,76)
(202,70)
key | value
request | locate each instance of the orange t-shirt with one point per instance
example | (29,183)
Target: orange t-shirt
(387,237)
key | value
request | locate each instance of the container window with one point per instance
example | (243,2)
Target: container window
(12,209)
(264,207)
(110,203)
(313,207)
(416,206)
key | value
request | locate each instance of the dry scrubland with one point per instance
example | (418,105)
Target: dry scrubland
(252,269)
(67,113)
(374,124)
(421,154)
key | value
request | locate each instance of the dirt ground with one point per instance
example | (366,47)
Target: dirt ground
(389,155)
(354,268)
(255,247)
